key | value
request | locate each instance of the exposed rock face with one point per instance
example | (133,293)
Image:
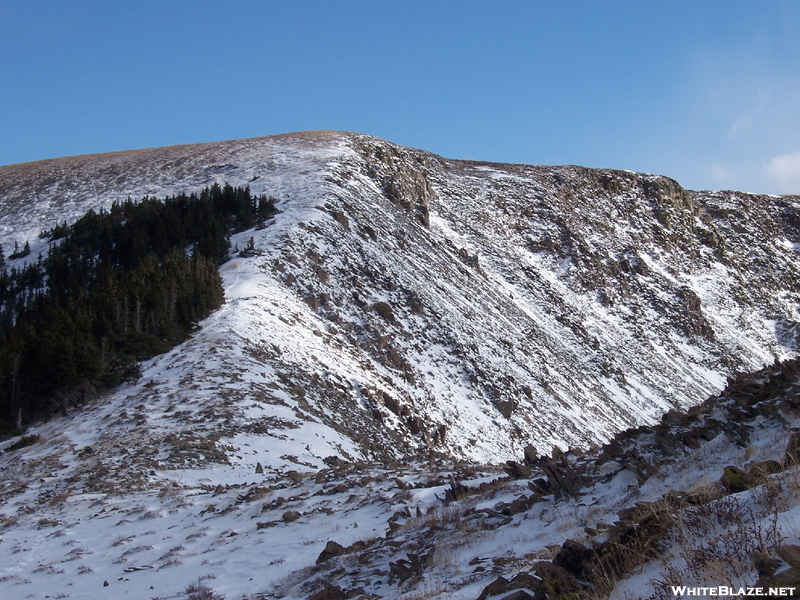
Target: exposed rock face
(400,295)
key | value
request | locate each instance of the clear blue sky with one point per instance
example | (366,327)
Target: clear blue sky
(705,92)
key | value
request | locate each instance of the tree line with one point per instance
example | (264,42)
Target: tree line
(116,287)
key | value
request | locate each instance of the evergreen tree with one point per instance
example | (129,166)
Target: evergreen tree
(117,289)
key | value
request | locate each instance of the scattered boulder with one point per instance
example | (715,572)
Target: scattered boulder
(290,516)
(549,582)
(329,591)
(517,470)
(735,480)
(384,310)
(578,560)
(331,549)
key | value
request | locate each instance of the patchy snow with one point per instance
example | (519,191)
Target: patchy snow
(403,308)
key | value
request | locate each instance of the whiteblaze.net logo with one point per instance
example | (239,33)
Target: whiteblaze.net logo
(724,591)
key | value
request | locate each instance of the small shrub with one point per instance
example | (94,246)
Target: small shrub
(25,440)
(198,591)
(171,552)
(170,562)
(137,549)
(121,539)
(716,540)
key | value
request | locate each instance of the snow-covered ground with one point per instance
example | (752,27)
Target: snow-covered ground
(70,525)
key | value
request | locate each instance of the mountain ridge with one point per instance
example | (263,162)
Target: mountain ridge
(603,269)
(401,321)
(29,171)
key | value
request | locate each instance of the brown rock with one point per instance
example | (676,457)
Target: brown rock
(577,559)
(735,480)
(556,582)
(331,549)
(290,516)
(329,591)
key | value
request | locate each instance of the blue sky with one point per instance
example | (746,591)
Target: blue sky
(705,92)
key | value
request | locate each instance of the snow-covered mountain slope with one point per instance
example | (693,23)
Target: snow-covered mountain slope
(704,499)
(402,301)
(400,305)
(710,498)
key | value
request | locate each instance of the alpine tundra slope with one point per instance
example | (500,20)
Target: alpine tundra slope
(399,307)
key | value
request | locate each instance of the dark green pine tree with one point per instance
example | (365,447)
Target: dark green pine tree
(119,287)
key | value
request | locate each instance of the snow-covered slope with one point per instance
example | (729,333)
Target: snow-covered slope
(404,301)
(709,498)
(401,305)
